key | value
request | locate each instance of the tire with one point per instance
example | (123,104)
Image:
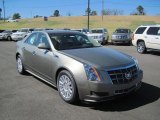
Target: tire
(67,87)
(104,42)
(141,47)
(9,38)
(20,67)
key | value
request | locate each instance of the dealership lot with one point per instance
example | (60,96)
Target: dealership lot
(26,97)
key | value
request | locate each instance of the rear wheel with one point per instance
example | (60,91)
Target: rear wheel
(141,48)
(67,87)
(20,67)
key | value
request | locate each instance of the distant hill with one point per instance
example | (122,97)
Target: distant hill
(109,22)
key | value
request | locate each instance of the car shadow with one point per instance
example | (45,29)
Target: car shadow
(157,53)
(147,94)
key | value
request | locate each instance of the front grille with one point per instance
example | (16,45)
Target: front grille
(123,75)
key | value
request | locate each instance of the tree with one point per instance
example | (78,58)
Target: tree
(140,10)
(68,14)
(94,13)
(0,13)
(87,10)
(16,16)
(56,13)
(112,12)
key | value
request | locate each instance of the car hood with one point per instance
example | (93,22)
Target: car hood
(99,57)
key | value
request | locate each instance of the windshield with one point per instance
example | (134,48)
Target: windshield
(97,31)
(6,32)
(23,30)
(72,41)
(122,31)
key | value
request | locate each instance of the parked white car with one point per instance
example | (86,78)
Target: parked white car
(99,34)
(11,20)
(22,33)
(146,37)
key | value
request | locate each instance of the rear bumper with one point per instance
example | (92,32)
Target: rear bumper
(121,41)
(107,91)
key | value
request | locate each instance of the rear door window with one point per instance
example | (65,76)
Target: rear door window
(153,31)
(140,30)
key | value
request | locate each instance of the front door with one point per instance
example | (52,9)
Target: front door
(43,58)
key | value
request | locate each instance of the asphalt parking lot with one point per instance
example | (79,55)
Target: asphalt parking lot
(27,98)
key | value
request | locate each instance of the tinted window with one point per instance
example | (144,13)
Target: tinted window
(42,38)
(31,39)
(72,41)
(140,30)
(97,31)
(122,31)
(153,31)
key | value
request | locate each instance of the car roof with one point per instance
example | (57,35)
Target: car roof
(123,28)
(59,31)
(149,25)
(98,28)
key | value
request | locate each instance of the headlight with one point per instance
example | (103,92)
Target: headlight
(136,62)
(91,73)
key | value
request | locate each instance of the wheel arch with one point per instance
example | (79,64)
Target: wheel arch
(61,69)
(140,40)
(64,68)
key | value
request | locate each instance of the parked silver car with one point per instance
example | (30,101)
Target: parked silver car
(22,33)
(122,35)
(6,35)
(78,66)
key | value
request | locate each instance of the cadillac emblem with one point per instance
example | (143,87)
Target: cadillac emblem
(128,75)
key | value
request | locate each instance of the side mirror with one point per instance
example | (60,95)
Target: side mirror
(43,46)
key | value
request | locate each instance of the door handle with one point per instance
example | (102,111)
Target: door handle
(156,38)
(33,53)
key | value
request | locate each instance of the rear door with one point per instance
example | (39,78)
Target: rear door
(153,37)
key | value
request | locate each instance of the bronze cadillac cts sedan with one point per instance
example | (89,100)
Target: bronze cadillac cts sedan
(78,66)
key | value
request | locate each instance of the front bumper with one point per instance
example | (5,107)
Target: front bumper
(103,91)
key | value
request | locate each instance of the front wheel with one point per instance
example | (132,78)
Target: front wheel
(141,48)
(20,67)
(67,87)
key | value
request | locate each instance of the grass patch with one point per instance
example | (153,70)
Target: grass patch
(109,22)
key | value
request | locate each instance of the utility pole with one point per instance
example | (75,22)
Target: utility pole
(88,12)
(4,11)
(102,8)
